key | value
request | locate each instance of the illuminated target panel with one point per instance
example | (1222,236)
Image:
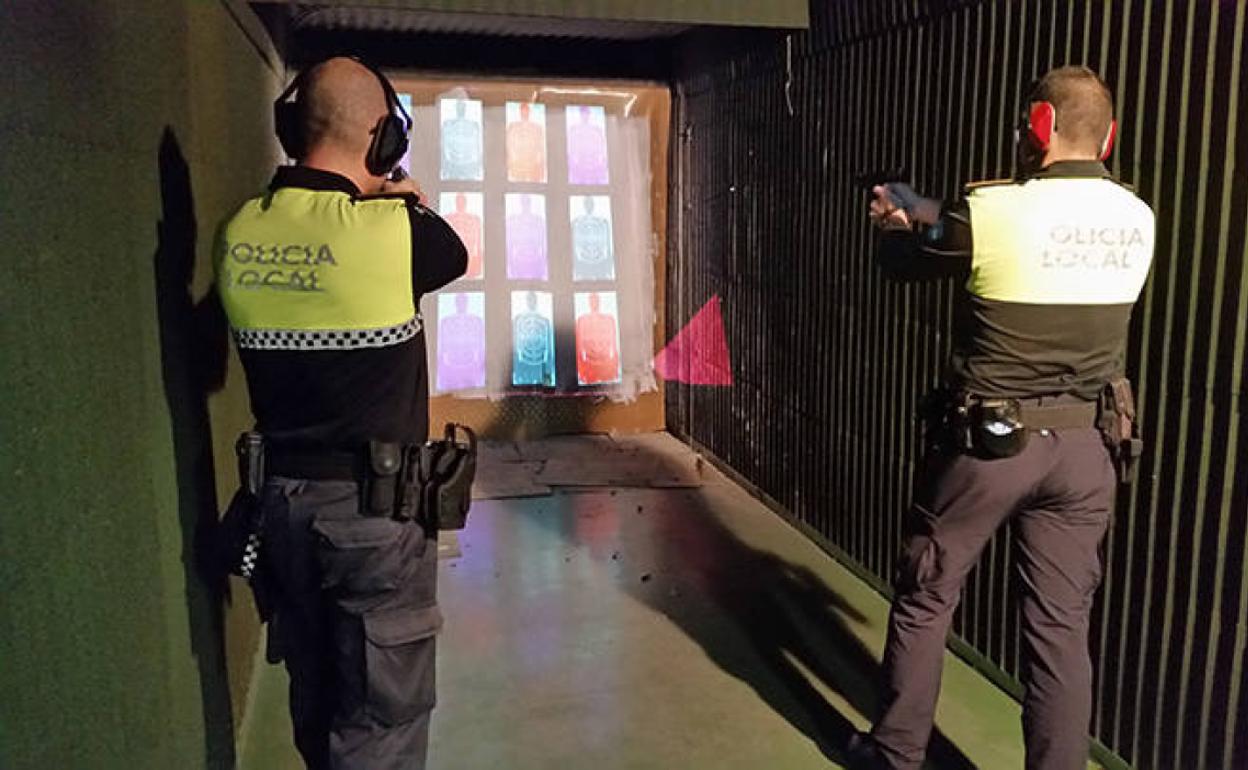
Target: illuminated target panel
(597,338)
(587,144)
(462,155)
(550,187)
(526,237)
(461,341)
(526,142)
(533,338)
(465,213)
(593,254)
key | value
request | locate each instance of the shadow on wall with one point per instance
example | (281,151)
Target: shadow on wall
(774,625)
(193,347)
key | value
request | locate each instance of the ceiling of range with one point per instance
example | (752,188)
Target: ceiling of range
(595,19)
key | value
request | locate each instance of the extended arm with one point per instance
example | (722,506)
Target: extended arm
(943,230)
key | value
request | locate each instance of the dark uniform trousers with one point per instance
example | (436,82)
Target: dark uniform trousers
(1060,489)
(355,618)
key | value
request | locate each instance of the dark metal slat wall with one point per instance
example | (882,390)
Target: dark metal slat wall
(830,358)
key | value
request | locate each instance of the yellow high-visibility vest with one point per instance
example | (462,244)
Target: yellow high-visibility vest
(1059,241)
(302,269)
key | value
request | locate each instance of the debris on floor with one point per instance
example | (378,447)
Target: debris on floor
(448,545)
(497,479)
(508,469)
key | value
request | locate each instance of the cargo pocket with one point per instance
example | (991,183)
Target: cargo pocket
(363,560)
(399,663)
(921,562)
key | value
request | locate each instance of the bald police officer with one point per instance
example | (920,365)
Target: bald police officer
(321,277)
(1056,260)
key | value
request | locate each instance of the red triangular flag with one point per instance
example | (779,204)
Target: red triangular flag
(698,354)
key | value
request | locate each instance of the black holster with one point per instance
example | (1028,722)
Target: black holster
(240,530)
(444,474)
(1117,423)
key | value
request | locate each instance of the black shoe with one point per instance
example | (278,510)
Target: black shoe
(861,753)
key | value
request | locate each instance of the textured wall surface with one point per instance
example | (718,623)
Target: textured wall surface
(830,358)
(128,130)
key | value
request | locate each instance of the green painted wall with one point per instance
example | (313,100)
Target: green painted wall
(128,129)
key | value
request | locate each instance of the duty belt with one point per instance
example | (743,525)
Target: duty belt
(317,464)
(1049,413)
(385,471)
(431,482)
(999,427)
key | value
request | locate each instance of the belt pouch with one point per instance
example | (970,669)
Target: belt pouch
(997,427)
(385,458)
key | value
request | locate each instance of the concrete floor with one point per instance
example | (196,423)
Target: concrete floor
(654,628)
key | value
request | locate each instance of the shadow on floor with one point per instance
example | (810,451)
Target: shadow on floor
(769,623)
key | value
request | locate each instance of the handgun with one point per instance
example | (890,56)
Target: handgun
(250,451)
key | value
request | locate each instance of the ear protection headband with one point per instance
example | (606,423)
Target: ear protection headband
(389,135)
(1039,123)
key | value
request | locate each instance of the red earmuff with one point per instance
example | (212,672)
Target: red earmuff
(1040,124)
(1108,145)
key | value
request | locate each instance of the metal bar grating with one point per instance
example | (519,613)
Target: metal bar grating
(830,359)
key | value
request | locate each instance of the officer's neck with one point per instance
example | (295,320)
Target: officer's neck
(344,164)
(1059,157)
(1060,150)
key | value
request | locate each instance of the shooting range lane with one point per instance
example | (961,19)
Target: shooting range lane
(641,627)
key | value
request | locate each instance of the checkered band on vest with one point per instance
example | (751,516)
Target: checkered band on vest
(337,339)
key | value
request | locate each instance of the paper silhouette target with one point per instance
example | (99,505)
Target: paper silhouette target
(593,252)
(533,338)
(526,142)
(587,144)
(526,237)
(597,338)
(461,341)
(461,140)
(464,212)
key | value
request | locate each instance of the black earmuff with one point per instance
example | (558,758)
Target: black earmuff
(390,134)
(389,141)
(286,119)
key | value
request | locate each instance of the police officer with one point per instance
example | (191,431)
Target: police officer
(1056,260)
(321,277)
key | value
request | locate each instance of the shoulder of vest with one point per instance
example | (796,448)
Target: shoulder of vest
(243,208)
(1110,179)
(973,186)
(406,198)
